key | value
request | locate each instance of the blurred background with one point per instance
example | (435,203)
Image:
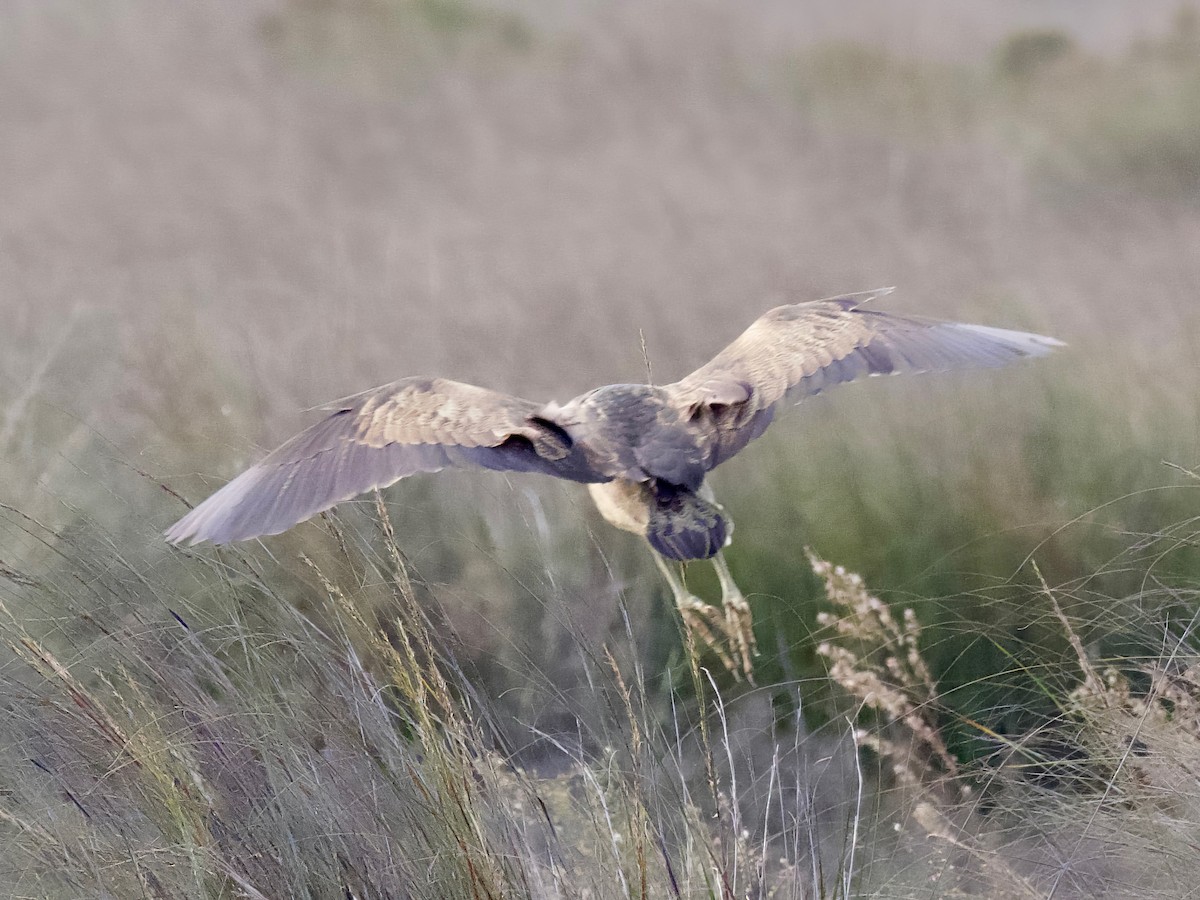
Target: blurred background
(219,214)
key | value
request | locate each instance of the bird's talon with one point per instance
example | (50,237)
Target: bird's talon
(708,626)
(727,631)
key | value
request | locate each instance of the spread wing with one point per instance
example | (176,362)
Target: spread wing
(377,437)
(799,350)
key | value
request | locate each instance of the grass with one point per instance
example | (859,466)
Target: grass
(393,42)
(234,747)
(494,699)
(229,745)
(1081,120)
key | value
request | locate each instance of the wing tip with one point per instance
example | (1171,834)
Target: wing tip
(189,531)
(215,518)
(174,536)
(1027,343)
(183,529)
(859,298)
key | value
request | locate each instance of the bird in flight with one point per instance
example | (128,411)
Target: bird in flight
(643,450)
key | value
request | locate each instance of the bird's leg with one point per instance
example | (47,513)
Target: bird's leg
(699,618)
(738,626)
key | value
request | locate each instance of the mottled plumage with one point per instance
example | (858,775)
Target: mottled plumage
(643,450)
(375,438)
(663,440)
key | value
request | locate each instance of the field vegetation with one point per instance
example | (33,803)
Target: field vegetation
(975,596)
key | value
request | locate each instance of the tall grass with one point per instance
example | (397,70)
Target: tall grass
(218,742)
(258,210)
(228,745)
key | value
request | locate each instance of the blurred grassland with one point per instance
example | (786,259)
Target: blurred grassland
(220,219)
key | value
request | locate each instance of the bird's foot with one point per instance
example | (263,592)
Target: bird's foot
(727,628)
(726,631)
(739,629)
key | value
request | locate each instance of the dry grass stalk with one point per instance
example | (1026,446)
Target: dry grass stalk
(461,775)
(884,669)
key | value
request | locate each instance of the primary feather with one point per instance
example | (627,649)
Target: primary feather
(616,437)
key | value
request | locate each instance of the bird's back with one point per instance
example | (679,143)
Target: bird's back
(633,431)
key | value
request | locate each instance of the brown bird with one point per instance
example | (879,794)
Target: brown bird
(643,450)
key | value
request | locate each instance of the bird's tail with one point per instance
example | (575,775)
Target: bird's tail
(684,525)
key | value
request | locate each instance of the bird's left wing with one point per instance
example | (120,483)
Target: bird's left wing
(377,437)
(799,350)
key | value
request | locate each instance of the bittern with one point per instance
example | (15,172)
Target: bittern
(643,450)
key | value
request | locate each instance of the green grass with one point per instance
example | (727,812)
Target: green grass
(1087,123)
(496,700)
(394,42)
(228,745)
(218,742)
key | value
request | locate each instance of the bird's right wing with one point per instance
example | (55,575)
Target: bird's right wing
(799,350)
(377,437)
